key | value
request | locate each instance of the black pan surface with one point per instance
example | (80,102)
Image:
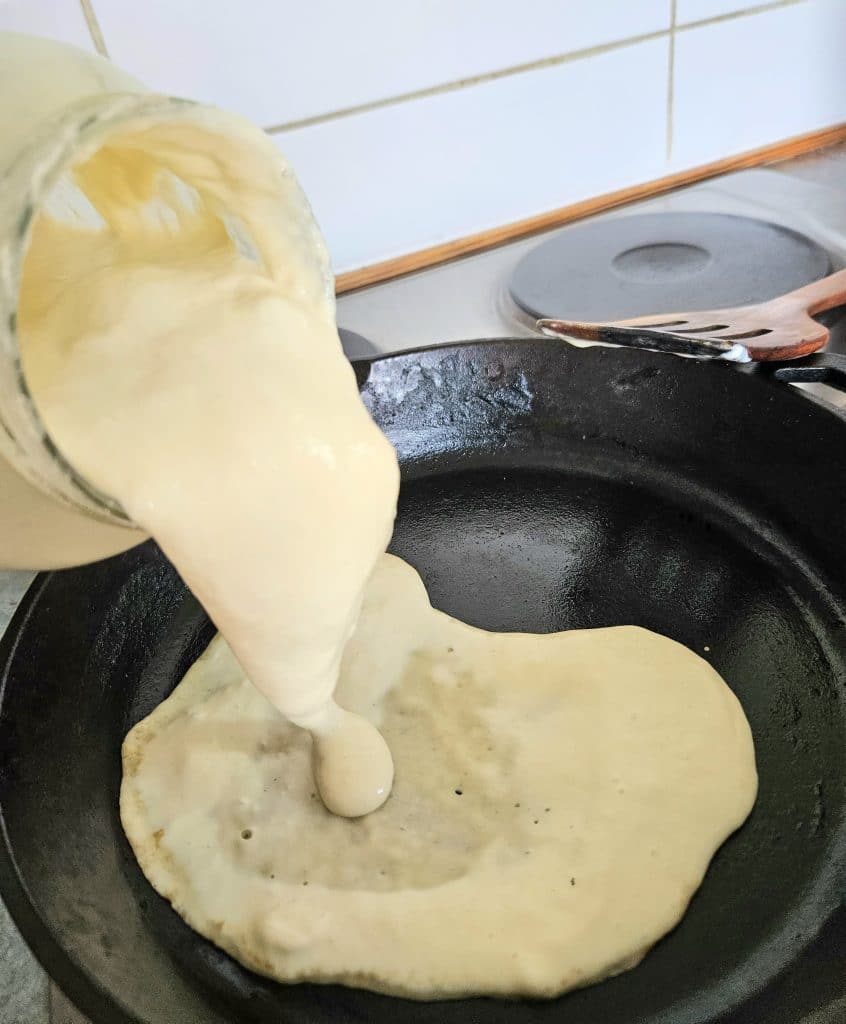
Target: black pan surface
(544,487)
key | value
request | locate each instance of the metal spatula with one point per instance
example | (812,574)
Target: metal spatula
(781,328)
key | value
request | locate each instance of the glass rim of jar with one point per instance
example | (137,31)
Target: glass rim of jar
(59,143)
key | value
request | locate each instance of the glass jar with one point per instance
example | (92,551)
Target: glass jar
(57,105)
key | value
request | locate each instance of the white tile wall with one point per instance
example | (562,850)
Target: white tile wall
(55,19)
(700,10)
(407,176)
(280,62)
(748,81)
(430,119)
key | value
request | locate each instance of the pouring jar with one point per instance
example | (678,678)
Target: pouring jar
(58,105)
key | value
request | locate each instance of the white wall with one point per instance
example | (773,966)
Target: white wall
(412,122)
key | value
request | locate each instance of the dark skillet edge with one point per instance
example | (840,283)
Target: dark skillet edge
(74,982)
(819,368)
(80,988)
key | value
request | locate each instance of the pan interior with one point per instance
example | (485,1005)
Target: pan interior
(510,533)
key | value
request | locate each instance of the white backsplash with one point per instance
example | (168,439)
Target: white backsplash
(418,122)
(57,19)
(279,63)
(410,175)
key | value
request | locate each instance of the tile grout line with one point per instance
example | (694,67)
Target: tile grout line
(747,12)
(99,41)
(671,80)
(94,27)
(463,83)
(516,69)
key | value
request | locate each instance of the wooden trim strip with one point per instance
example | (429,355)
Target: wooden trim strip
(773,153)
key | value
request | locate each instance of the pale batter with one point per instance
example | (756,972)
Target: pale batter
(178,335)
(557,801)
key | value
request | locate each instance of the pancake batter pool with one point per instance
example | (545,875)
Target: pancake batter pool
(557,801)
(180,344)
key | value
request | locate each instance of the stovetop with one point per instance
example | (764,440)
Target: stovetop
(468,298)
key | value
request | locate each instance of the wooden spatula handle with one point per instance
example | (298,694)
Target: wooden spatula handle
(818,296)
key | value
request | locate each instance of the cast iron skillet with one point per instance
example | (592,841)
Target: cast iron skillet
(544,487)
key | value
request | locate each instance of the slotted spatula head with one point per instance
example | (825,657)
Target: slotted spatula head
(782,328)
